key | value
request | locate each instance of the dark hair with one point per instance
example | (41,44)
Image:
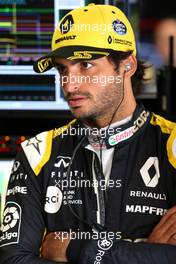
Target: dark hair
(138,78)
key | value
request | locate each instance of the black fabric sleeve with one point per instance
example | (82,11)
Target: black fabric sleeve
(23,223)
(74,250)
(122,252)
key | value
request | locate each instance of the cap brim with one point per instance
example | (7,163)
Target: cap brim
(45,63)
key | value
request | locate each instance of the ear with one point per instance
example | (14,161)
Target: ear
(129,65)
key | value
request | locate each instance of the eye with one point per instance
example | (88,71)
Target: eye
(86,65)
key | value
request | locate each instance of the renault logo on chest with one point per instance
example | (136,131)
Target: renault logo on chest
(150,172)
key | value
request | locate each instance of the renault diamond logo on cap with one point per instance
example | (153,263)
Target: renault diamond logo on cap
(109,39)
(66,24)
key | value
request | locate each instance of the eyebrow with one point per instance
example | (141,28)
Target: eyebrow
(73,62)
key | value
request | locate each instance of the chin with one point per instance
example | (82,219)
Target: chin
(76,112)
(80,114)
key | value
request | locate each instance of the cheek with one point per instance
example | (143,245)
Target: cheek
(102,80)
(63,81)
(102,95)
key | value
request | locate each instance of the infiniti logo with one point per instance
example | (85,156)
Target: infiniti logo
(62,161)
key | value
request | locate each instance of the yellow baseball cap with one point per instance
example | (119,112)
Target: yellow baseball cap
(89,32)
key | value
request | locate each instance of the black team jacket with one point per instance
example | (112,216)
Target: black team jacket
(49,192)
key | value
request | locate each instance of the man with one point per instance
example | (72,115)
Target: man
(103,188)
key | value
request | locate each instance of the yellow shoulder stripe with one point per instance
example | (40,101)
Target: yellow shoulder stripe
(46,154)
(171,148)
(38,149)
(165,125)
(60,130)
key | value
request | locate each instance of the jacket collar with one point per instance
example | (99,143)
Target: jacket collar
(118,135)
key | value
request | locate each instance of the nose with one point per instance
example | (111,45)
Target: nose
(70,81)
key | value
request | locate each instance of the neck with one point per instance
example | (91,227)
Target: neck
(125,110)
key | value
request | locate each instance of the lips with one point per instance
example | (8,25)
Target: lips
(76,101)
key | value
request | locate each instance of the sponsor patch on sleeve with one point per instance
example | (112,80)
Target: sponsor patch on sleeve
(10,227)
